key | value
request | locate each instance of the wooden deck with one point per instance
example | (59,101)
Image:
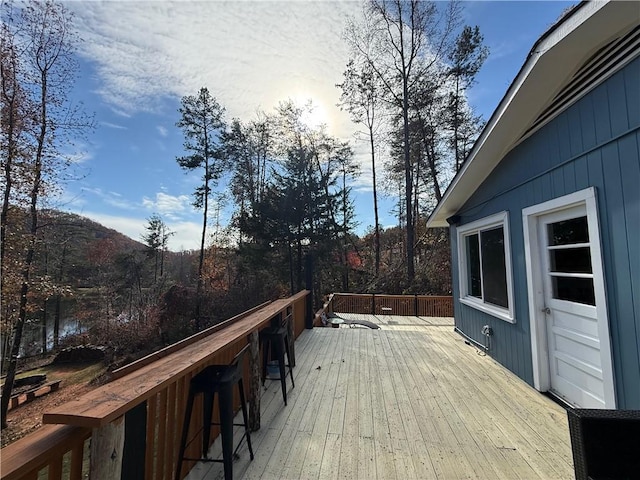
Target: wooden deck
(410,400)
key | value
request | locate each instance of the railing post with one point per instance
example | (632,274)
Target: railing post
(308,321)
(254,381)
(107,444)
(291,339)
(373,304)
(135,441)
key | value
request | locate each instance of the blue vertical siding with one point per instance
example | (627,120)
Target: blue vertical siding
(594,143)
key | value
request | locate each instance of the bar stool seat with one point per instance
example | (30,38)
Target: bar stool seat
(276,338)
(218,379)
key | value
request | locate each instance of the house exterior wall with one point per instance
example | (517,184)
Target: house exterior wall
(594,143)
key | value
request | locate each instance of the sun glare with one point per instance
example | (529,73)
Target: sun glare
(315,114)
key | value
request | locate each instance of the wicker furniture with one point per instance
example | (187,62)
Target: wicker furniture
(605,443)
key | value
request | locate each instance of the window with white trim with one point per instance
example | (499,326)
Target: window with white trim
(484,264)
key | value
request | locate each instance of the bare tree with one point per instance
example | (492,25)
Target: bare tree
(361,98)
(16,123)
(410,37)
(44,72)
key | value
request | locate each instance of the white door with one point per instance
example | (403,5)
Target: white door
(575,360)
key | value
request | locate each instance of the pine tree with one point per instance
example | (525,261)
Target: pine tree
(202,123)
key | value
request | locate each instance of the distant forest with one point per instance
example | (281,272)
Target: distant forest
(98,286)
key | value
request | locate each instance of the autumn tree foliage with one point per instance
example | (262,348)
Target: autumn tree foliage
(38,67)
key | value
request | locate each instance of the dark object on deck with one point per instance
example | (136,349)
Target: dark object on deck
(335,322)
(364,323)
(275,341)
(218,379)
(605,443)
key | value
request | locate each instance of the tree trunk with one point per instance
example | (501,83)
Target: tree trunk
(9,92)
(22,316)
(44,327)
(408,184)
(203,237)
(26,271)
(456,118)
(375,202)
(291,280)
(299,273)
(56,322)
(7,388)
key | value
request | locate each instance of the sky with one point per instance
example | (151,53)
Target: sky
(139,58)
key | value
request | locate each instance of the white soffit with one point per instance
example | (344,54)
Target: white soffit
(552,62)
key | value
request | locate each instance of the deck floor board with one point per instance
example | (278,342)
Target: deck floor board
(410,400)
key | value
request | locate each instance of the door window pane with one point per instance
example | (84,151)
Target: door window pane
(568,232)
(474,285)
(579,290)
(494,272)
(571,260)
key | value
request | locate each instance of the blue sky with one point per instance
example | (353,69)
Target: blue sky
(139,58)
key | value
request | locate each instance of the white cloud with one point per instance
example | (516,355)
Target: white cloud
(76,153)
(112,199)
(113,125)
(119,203)
(79,157)
(249,54)
(168,205)
(186,234)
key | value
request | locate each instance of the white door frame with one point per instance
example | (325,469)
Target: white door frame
(535,292)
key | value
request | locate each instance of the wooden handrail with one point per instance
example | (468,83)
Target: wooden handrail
(125,370)
(49,441)
(158,382)
(108,402)
(381,304)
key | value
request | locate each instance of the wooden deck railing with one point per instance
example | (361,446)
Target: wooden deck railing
(142,408)
(323,312)
(374,304)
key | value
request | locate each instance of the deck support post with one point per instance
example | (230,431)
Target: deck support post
(107,444)
(291,339)
(254,381)
(309,316)
(135,442)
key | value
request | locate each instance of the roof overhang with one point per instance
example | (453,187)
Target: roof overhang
(553,60)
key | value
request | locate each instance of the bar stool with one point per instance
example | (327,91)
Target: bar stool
(276,338)
(218,379)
